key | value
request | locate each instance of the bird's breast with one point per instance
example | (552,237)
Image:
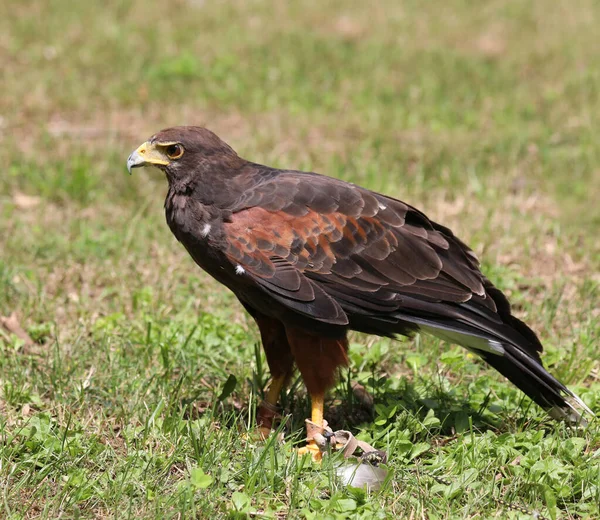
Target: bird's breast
(200,229)
(187,218)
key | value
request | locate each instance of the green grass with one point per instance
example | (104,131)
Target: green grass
(484,116)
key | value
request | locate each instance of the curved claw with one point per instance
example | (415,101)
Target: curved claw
(312,449)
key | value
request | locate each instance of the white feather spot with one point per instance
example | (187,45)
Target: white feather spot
(382,206)
(239,269)
(205,230)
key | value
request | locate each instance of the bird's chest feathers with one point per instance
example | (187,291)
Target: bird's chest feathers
(198,227)
(190,220)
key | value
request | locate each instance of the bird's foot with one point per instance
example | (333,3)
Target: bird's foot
(319,440)
(312,449)
(262,433)
(266,415)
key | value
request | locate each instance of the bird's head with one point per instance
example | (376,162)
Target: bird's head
(183,152)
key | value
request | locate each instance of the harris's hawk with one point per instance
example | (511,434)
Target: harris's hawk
(311,257)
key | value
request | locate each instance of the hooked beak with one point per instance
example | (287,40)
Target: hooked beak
(146,154)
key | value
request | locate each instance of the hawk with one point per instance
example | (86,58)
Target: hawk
(312,257)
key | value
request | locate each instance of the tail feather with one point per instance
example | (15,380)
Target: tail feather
(484,326)
(509,346)
(533,379)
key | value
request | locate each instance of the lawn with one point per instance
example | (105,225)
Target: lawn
(135,397)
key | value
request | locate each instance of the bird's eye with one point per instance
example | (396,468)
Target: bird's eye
(174,151)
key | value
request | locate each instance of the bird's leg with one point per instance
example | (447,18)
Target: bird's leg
(315,428)
(267,410)
(317,405)
(318,359)
(281,365)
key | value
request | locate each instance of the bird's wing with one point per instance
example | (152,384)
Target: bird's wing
(320,243)
(259,245)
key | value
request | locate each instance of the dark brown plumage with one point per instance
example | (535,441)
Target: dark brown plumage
(311,257)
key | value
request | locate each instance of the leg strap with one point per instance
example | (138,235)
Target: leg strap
(342,440)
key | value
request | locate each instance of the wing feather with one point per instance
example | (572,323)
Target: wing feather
(327,245)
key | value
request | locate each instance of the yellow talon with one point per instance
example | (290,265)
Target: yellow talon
(311,448)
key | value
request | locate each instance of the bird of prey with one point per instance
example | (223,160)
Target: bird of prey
(311,257)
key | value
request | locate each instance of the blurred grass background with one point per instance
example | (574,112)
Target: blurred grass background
(484,115)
